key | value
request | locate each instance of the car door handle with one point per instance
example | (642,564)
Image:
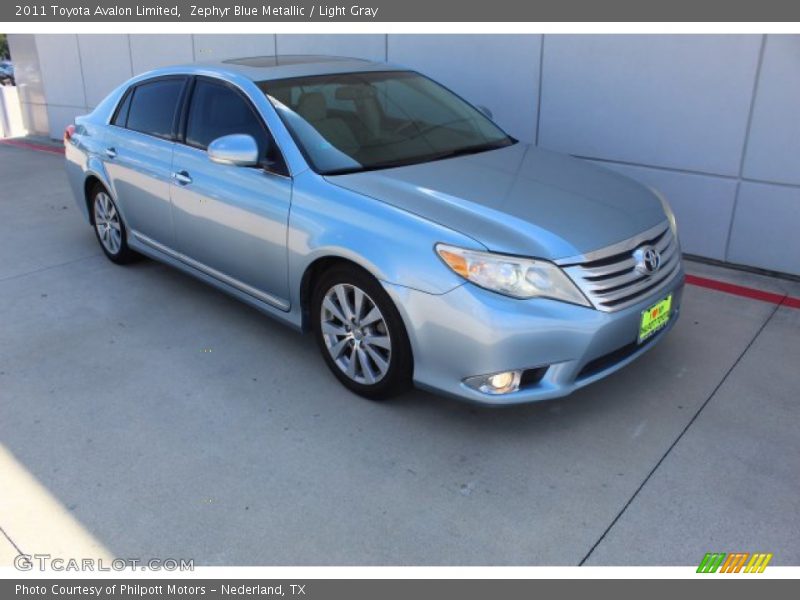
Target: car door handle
(111,152)
(182,177)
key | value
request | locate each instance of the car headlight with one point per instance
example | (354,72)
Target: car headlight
(673,224)
(511,275)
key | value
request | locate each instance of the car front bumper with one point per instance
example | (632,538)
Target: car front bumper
(470,331)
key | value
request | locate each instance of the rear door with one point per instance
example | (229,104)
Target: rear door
(138,154)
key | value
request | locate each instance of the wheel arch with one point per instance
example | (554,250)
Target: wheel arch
(89,184)
(313,271)
(402,347)
(94,173)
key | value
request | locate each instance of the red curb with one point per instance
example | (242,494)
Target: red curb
(33,146)
(745,292)
(791,302)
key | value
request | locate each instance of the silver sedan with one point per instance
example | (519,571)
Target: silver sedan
(368,204)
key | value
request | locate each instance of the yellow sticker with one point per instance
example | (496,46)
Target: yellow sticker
(654,318)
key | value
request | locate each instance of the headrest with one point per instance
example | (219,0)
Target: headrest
(312,106)
(282,95)
(354,92)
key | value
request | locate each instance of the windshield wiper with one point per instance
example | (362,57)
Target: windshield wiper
(466,150)
(469,150)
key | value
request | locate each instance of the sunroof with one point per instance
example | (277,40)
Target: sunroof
(290,59)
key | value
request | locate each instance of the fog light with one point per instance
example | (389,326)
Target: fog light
(501,381)
(496,383)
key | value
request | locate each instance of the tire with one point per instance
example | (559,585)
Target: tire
(109,227)
(368,352)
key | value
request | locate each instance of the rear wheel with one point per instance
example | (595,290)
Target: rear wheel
(360,333)
(109,227)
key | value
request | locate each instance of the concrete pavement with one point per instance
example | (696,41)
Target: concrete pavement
(166,419)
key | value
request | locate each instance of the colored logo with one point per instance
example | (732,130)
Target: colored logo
(735,562)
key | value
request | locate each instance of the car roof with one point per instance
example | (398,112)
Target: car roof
(264,68)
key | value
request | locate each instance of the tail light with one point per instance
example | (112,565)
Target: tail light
(68,133)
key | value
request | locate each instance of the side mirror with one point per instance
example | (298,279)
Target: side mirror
(485,111)
(237,149)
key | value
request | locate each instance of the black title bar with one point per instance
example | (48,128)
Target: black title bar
(707,586)
(196,11)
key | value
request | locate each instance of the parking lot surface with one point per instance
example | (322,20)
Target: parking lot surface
(144,414)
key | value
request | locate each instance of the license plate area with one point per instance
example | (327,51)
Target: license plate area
(655,318)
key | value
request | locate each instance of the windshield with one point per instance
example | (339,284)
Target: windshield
(344,123)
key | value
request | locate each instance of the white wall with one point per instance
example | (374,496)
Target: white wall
(28,75)
(369,47)
(712,121)
(11,122)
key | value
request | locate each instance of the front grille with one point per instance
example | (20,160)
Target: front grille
(608,277)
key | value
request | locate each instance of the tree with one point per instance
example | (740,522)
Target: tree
(4,47)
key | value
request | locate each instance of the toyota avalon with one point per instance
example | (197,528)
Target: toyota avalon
(366,203)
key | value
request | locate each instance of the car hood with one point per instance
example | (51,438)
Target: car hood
(518,200)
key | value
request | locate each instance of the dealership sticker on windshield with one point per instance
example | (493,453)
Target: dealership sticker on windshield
(655,318)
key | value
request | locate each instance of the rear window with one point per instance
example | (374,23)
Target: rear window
(121,116)
(153,106)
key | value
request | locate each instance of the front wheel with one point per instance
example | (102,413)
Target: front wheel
(361,334)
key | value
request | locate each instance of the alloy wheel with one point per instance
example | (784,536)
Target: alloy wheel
(356,334)
(107,223)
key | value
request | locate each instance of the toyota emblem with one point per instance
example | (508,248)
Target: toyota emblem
(648,260)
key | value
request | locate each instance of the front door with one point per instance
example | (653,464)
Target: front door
(231,221)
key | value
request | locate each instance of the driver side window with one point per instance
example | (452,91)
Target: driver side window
(217,110)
